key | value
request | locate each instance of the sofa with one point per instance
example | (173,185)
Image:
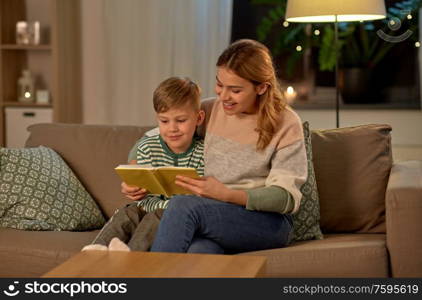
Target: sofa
(370,207)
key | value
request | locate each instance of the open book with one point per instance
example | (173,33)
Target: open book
(156,180)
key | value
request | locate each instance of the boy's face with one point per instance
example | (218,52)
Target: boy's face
(177,126)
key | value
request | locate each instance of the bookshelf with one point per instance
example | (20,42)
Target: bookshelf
(54,63)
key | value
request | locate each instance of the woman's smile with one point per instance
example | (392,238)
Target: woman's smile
(228,105)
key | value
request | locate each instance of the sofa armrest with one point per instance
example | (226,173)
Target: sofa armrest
(404,219)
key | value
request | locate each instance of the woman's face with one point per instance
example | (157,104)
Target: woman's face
(238,95)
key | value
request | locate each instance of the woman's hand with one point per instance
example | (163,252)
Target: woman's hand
(132,192)
(210,187)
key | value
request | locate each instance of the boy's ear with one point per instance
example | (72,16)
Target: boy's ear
(261,88)
(201,117)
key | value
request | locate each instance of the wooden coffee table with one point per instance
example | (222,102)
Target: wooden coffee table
(149,264)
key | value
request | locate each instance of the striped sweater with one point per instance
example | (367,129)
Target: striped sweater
(231,157)
(154,152)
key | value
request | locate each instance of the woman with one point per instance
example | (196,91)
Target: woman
(255,163)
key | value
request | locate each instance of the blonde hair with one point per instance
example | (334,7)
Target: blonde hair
(175,92)
(252,61)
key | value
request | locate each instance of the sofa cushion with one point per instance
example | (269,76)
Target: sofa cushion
(337,255)
(306,220)
(38,191)
(352,167)
(92,151)
(33,253)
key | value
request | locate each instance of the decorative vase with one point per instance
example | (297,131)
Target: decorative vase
(360,86)
(354,84)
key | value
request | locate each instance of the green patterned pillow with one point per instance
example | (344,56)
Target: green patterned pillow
(38,191)
(306,220)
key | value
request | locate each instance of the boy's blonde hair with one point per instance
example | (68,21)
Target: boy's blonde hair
(175,92)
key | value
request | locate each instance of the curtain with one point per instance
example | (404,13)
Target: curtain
(130,46)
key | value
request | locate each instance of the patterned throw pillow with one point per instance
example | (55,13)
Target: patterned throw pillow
(38,191)
(306,220)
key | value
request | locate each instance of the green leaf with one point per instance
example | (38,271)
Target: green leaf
(292,61)
(365,41)
(381,54)
(275,15)
(328,51)
(298,29)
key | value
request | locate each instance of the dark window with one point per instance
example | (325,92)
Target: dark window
(374,73)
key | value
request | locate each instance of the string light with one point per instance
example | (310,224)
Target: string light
(417,44)
(286,24)
(409,17)
(298,48)
(317,32)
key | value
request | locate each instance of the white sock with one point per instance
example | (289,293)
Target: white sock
(118,245)
(95,247)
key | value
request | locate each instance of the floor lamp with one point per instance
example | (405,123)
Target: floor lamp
(322,11)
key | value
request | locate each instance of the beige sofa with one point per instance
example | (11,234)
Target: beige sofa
(371,219)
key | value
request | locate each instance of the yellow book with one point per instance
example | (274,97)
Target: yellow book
(160,180)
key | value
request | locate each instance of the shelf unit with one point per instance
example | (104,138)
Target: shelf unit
(55,63)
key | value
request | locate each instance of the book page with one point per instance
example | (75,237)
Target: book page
(167,178)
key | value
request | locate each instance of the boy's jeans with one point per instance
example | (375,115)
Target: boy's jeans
(202,225)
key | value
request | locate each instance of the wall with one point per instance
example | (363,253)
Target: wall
(93,67)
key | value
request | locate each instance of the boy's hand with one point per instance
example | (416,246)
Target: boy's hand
(132,192)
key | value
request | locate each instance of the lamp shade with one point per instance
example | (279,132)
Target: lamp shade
(318,11)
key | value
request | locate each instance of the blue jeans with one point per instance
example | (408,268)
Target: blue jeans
(202,225)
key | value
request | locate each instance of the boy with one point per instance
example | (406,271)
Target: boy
(177,106)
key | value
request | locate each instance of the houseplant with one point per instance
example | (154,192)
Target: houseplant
(361,47)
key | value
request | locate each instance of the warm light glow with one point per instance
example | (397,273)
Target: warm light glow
(392,22)
(27,95)
(298,48)
(317,32)
(286,24)
(417,44)
(290,94)
(318,11)
(409,17)
(290,90)
(332,18)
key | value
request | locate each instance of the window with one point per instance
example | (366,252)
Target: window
(378,61)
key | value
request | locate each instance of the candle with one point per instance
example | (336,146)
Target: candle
(290,94)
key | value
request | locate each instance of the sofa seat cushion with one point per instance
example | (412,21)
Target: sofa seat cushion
(33,253)
(337,255)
